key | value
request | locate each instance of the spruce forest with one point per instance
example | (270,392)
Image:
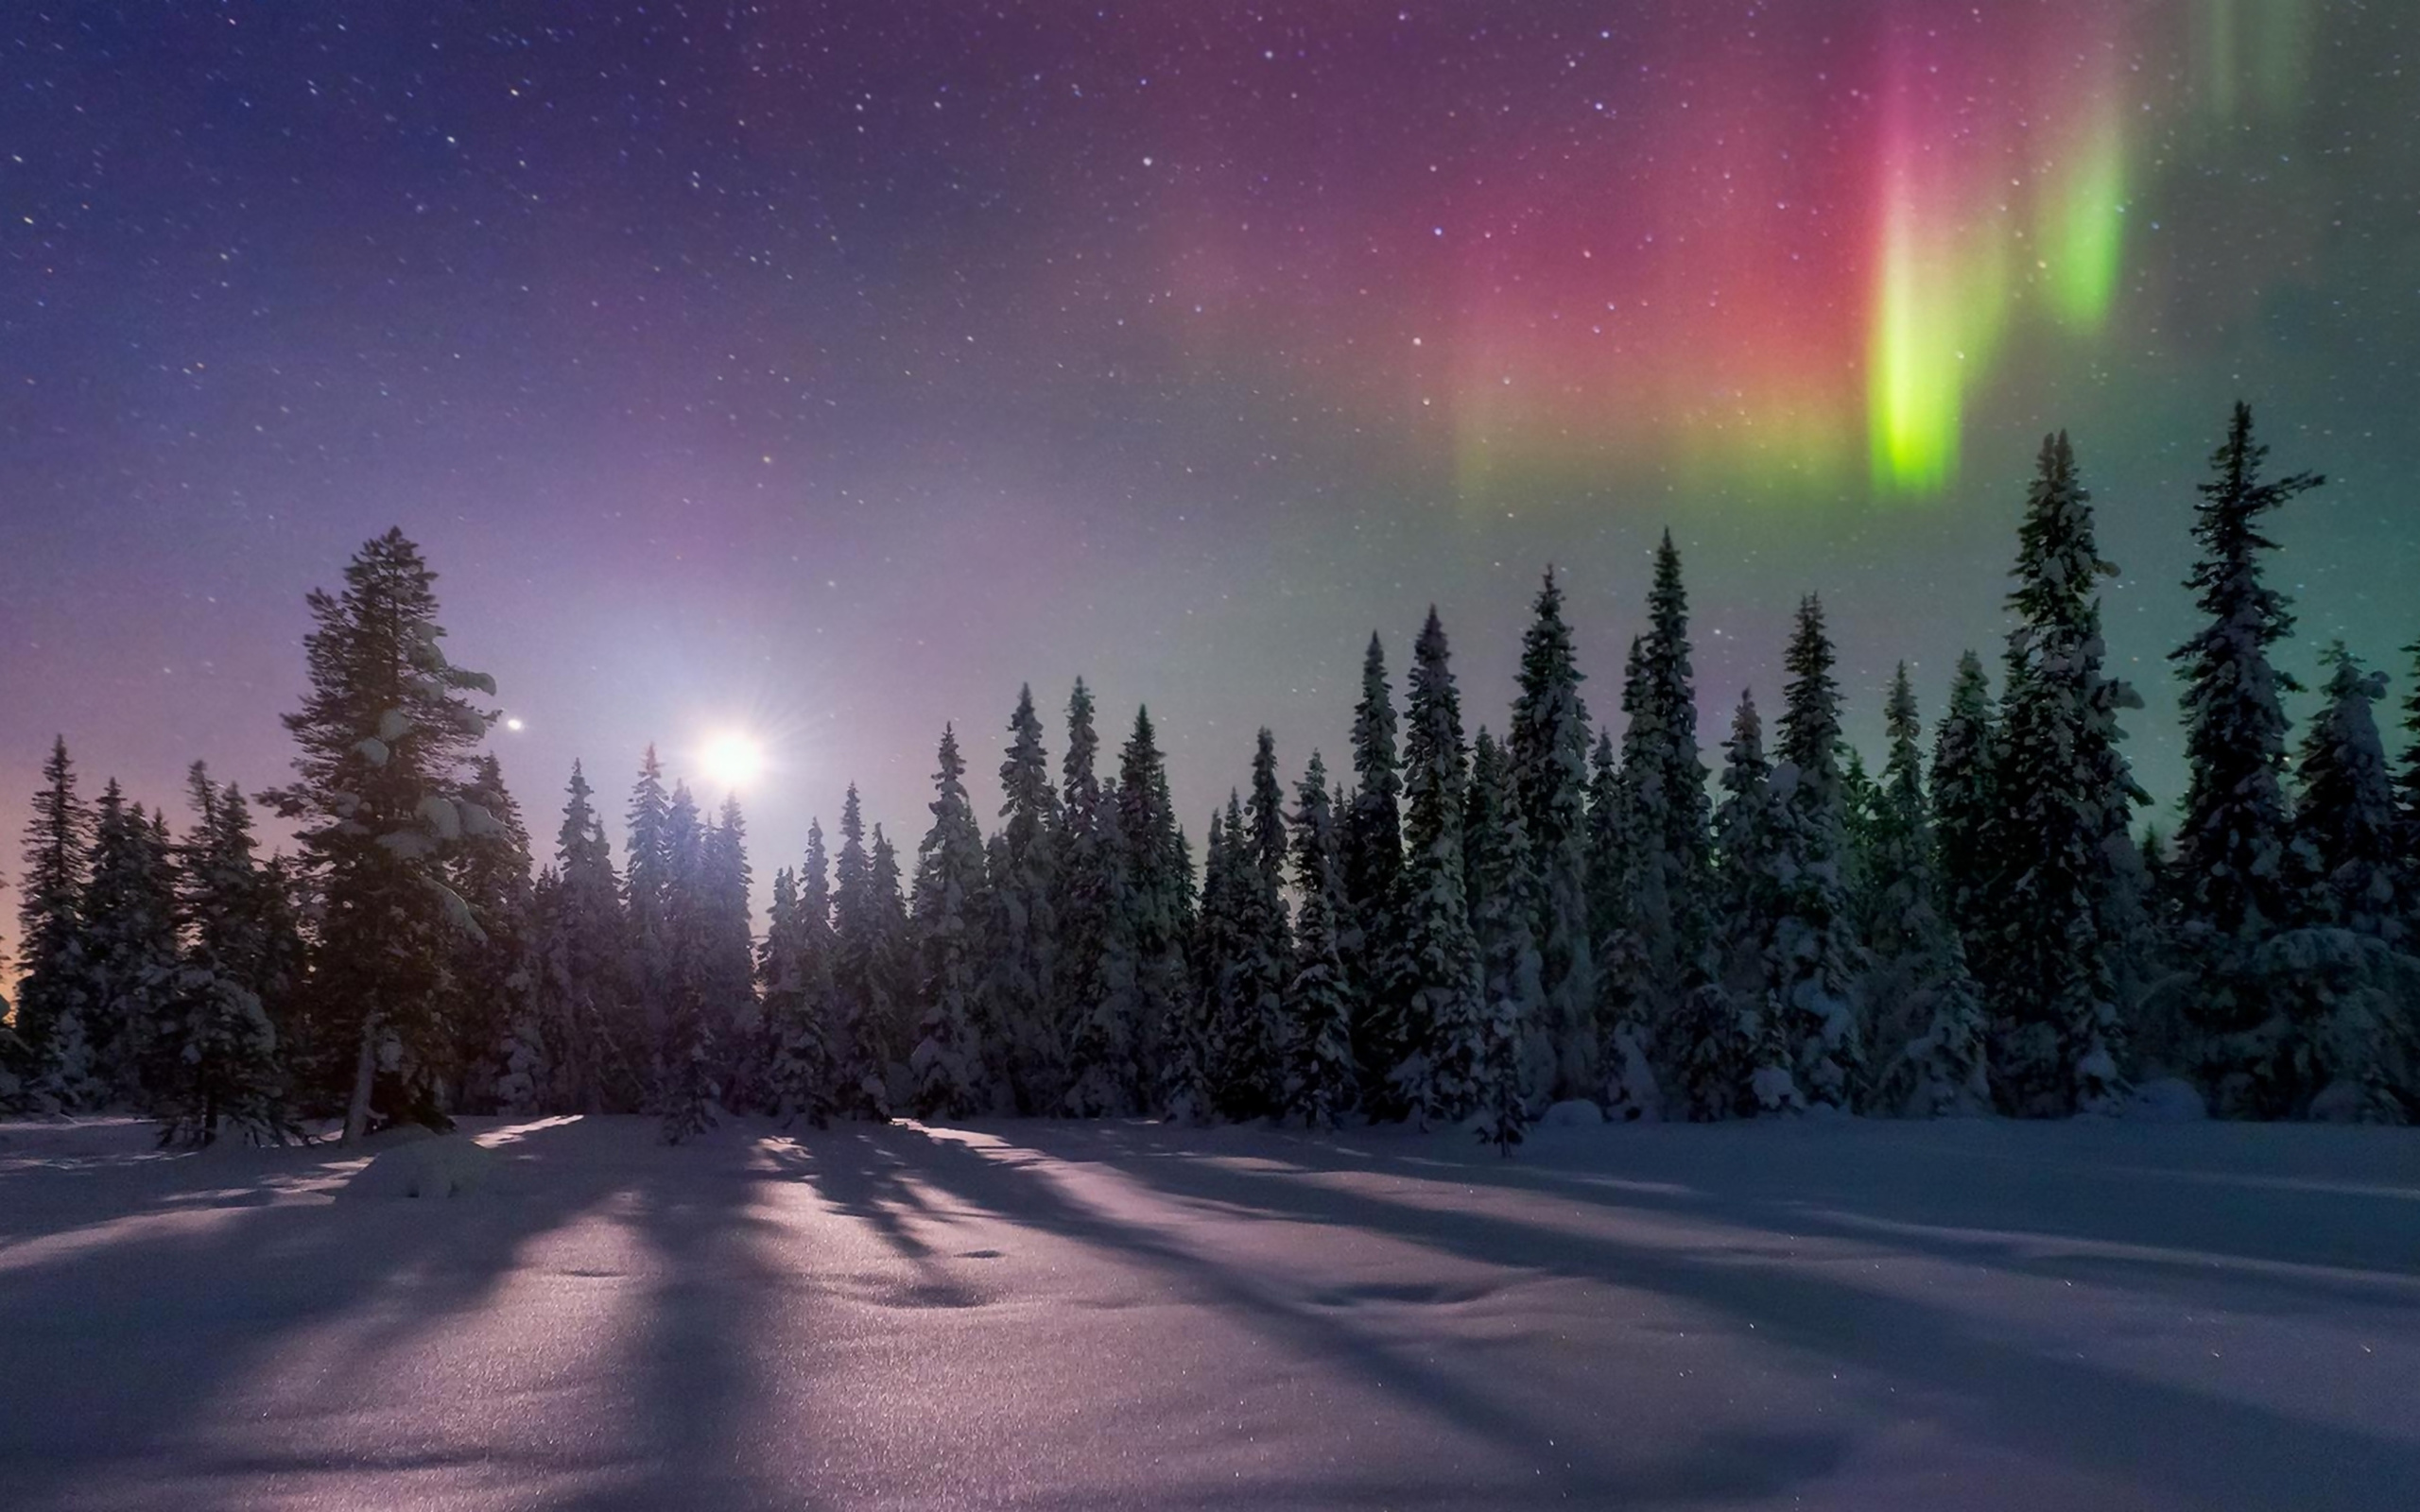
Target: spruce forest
(1461,922)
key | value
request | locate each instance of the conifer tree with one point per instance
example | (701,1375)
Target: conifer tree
(1741,1058)
(2063,797)
(859,970)
(1217,955)
(647,881)
(211,1066)
(52,985)
(1669,937)
(1810,951)
(899,961)
(1489,1068)
(128,945)
(590,1049)
(687,1098)
(1964,796)
(1548,750)
(1253,1039)
(947,1062)
(1019,1023)
(382,736)
(2407,791)
(1370,932)
(1319,1074)
(1439,991)
(795,969)
(2345,839)
(1099,1025)
(1925,1018)
(735,1018)
(2231,844)
(1160,881)
(495,972)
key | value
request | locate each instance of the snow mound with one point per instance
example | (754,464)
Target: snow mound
(1577,1112)
(424,1168)
(2168,1100)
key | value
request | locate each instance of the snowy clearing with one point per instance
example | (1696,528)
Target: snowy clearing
(1030,1315)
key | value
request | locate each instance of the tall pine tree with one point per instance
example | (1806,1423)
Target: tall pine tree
(52,988)
(1548,751)
(1023,1036)
(1319,1072)
(948,1063)
(1439,967)
(1811,948)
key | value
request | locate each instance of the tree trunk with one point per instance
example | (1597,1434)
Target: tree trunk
(365,1066)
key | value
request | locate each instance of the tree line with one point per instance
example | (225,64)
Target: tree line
(1461,928)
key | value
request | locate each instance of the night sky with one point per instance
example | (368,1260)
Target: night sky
(826,369)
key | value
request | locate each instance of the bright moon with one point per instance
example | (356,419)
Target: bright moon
(733,760)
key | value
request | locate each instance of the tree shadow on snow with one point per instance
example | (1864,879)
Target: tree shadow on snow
(1919,1360)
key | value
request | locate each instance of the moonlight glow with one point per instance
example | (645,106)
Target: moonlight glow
(732,758)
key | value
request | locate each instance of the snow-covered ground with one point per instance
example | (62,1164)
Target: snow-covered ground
(1850,1316)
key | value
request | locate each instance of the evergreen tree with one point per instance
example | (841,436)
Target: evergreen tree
(1440,985)
(52,985)
(1739,1057)
(2407,790)
(1490,1071)
(2063,797)
(590,1048)
(859,970)
(211,1066)
(1319,1072)
(1548,750)
(2231,844)
(647,881)
(1664,784)
(898,962)
(382,736)
(495,972)
(2345,840)
(1159,879)
(1369,931)
(1964,793)
(1217,955)
(1925,1018)
(1253,1039)
(687,1098)
(128,945)
(795,971)
(948,1063)
(1812,943)
(735,1018)
(1099,1027)
(1023,1036)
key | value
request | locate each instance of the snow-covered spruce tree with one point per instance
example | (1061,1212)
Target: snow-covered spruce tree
(2344,853)
(861,970)
(1097,990)
(1439,965)
(1925,1017)
(2342,993)
(1252,1041)
(948,1063)
(2061,846)
(1370,933)
(899,964)
(2231,842)
(591,1050)
(1490,1074)
(1548,750)
(1738,1055)
(1019,1023)
(1964,795)
(2230,846)
(735,1018)
(1319,1071)
(129,946)
(687,1098)
(51,984)
(647,883)
(794,970)
(528,1079)
(211,1066)
(1217,955)
(2407,795)
(384,733)
(1159,880)
(1813,941)
(494,973)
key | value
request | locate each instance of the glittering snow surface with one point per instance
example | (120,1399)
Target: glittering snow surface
(1085,1315)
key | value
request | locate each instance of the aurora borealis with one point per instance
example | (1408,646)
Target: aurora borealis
(827,369)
